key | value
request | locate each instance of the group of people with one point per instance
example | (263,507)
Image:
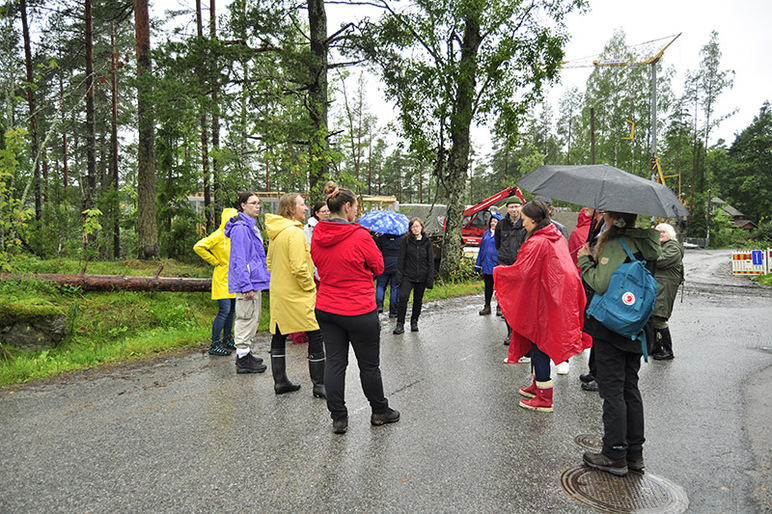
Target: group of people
(544,280)
(321,282)
(324,289)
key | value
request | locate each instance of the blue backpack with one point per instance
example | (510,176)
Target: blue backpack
(629,301)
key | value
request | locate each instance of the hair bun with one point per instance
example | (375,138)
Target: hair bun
(330,188)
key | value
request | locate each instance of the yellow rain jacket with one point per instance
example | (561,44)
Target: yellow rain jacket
(215,249)
(292,290)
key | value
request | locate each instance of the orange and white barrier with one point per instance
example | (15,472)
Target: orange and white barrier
(751,262)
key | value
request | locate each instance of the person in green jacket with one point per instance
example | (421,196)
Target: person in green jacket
(215,249)
(669,275)
(617,358)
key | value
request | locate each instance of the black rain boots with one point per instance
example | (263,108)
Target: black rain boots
(316,370)
(281,384)
(665,351)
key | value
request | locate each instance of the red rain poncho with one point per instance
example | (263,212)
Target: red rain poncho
(542,298)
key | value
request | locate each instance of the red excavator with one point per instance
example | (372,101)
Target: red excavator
(475,219)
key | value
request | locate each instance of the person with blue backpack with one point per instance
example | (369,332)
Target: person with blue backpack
(617,357)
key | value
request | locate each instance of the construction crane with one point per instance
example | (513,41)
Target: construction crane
(656,174)
(652,61)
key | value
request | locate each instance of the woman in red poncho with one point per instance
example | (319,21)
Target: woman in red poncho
(542,298)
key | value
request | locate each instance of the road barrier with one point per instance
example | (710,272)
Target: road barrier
(751,262)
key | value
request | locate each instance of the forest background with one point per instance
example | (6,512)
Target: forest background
(113,116)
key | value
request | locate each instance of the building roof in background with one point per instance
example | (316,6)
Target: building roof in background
(725,207)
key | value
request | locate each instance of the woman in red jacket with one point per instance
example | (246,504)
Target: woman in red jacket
(542,298)
(347,261)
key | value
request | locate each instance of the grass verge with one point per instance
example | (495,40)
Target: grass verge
(764,279)
(120,326)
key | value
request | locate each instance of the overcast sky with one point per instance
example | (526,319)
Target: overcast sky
(744,36)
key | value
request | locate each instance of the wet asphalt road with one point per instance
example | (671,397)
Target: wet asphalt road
(187,434)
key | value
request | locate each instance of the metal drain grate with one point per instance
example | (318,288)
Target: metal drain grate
(589,442)
(636,492)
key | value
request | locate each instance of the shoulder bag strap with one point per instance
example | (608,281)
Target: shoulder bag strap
(627,249)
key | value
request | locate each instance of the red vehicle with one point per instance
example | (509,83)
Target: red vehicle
(475,219)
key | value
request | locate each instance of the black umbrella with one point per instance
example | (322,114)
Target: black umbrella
(605,188)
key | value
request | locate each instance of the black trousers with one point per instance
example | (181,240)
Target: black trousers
(617,376)
(364,334)
(418,289)
(488,281)
(315,342)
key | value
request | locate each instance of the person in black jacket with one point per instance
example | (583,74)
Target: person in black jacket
(510,233)
(509,237)
(415,271)
(389,245)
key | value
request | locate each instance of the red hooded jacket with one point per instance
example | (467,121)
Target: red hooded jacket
(347,260)
(579,235)
(542,298)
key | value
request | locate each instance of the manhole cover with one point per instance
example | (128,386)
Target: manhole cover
(636,492)
(589,442)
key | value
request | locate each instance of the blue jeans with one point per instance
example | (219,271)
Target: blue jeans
(541,364)
(384,279)
(223,322)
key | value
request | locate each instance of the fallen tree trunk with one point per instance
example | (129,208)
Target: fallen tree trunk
(122,282)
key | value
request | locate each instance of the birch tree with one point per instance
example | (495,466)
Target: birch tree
(453,63)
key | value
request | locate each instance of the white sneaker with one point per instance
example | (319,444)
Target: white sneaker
(524,360)
(562,368)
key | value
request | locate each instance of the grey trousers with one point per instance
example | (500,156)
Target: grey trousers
(247,320)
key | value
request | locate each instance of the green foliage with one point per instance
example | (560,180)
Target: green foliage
(449,65)
(12,311)
(451,289)
(13,216)
(171,268)
(59,231)
(90,222)
(104,326)
(465,272)
(114,327)
(722,233)
(763,234)
(764,279)
(171,314)
(746,177)
(712,82)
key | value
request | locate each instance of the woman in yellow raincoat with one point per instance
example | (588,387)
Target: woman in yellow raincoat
(215,249)
(292,293)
